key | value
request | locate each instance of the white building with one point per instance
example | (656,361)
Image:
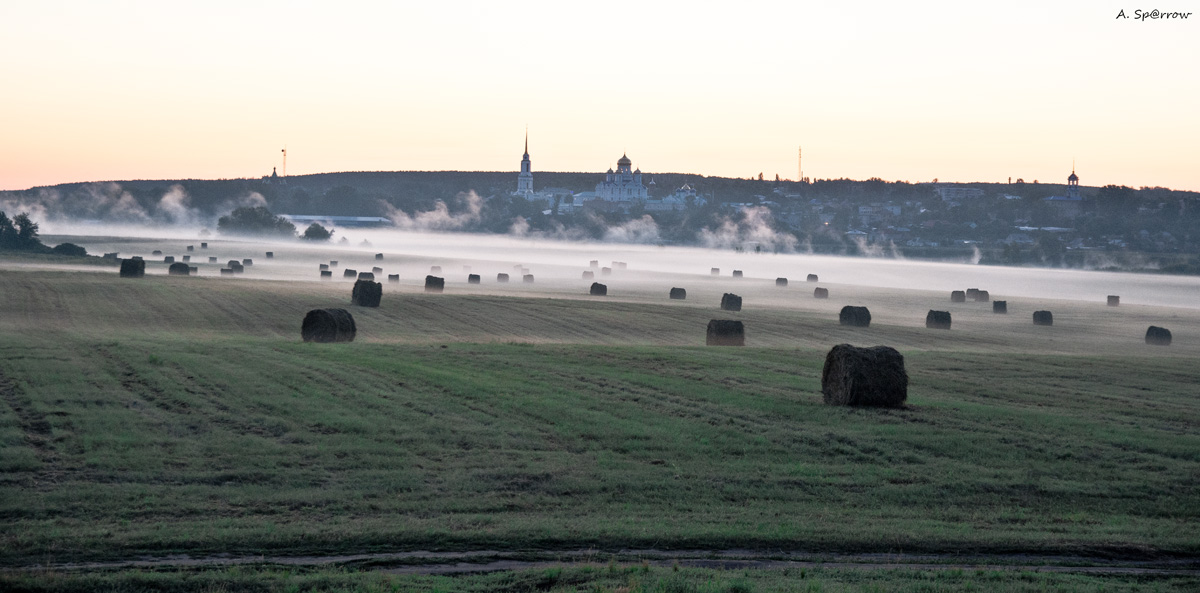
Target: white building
(623,186)
(525,177)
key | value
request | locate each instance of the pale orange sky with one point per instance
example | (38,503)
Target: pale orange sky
(909,91)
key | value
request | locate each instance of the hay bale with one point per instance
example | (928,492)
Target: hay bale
(326,274)
(333,263)
(236,267)
(212,259)
(434,284)
(378,256)
(679,294)
(1158,336)
(594,263)
(170,259)
(270,255)
(731,302)
(527,278)
(588,274)
(1000,307)
(812,278)
(958,296)
(725,332)
(178,269)
(394,278)
(971,292)
(937,319)
(473,279)
(619,265)
(855,376)
(226,272)
(366,293)
(501,278)
(324,267)
(716,271)
(982,296)
(435,269)
(191,247)
(156,252)
(524,270)
(1043,318)
(328,326)
(133,268)
(247,262)
(606,271)
(187,258)
(781,282)
(598,289)
(376,270)
(204,246)
(855,316)
(348,273)
(366,276)
(1115,301)
(820,293)
(193,270)
(737,273)
(112,255)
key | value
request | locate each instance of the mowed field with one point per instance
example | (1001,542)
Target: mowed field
(168,415)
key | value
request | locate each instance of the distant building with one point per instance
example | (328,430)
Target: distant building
(956,194)
(273,178)
(1070,205)
(525,177)
(623,186)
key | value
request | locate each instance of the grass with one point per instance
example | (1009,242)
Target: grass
(154,418)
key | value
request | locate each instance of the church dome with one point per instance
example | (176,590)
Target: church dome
(624,160)
(1073,177)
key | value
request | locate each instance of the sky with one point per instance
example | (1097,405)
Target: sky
(911,91)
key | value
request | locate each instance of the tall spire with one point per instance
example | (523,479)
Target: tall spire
(527,141)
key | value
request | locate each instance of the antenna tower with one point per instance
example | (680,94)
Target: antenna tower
(800,164)
(285,162)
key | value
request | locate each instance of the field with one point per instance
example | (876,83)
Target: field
(163,416)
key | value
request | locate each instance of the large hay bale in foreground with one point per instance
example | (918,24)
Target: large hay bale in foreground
(527,278)
(348,273)
(820,293)
(679,294)
(434,284)
(737,273)
(937,319)
(501,277)
(864,377)
(598,289)
(473,279)
(958,296)
(178,269)
(781,282)
(328,325)
(1043,318)
(1000,307)
(731,302)
(725,332)
(1114,301)
(588,274)
(393,278)
(366,275)
(982,296)
(133,268)
(366,293)
(326,274)
(855,316)
(1158,336)
(811,278)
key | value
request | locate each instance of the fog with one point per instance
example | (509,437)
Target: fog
(412,253)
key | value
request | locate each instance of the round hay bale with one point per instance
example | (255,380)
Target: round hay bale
(812,278)
(435,269)
(324,266)
(606,271)
(187,258)
(133,268)
(716,271)
(679,294)
(820,293)
(594,263)
(473,279)
(619,265)
(1000,307)
(855,316)
(434,284)
(982,296)
(328,326)
(170,259)
(598,289)
(191,247)
(212,259)
(226,272)
(731,302)
(1158,336)
(204,246)
(725,332)
(247,262)
(855,376)
(781,282)
(156,252)
(737,273)
(501,277)
(193,270)
(588,274)
(394,278)
(1043,318)
(958,296)
(378,256)
(376,270)
(178,269)
(333,263)
(971,292)
(348,273)
(937,319)
(270,255)
(1115,301)
(237,268)
(327,274)
(366,276)
(366,293)
(527,278)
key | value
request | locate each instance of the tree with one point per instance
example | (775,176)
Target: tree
(255,221)
(69,249)
(20,232)
(316,232)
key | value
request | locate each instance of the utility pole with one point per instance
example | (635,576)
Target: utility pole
(799,164)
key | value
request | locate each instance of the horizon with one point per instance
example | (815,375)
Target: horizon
(914,92)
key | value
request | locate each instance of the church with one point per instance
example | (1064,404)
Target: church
(622,186)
